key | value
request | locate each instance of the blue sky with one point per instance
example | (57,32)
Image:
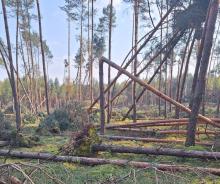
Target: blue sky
(54,26)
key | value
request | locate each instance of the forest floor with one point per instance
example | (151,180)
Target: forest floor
(109,174)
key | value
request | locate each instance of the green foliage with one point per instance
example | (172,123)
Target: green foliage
(94,117)
(6,127)
(81,142)
(21,140)
(29,119)
(70,117)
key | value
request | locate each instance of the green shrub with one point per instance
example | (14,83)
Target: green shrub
(94,117)
(6,127)
(70,117)
(9,109)
(29,119)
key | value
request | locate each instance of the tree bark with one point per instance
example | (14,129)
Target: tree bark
(158,151)
(151,140)
(109,67)
(91,56)
(200,87)
(164,132)
(156,92)
(101,161)
(102,98)
(135,54)
(43,57)
(12,81)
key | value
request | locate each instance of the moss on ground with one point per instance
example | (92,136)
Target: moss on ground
(78,174)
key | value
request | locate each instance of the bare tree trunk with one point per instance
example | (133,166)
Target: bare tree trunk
(91,56)
(135,63)
(81,53)
(184,75)
(102,98)
(12,81)
(218,107)
(200,87)
(109,67)
(17,53)
(150,35)
(100,161)
(181,72)
(157,92)
(43,58)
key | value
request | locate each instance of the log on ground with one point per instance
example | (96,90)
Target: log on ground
(102,161)
(157,151)
(158,132)
(159,122)
(154,140)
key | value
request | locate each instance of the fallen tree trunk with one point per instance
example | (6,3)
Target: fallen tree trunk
(3,143)
(208,132)
(157,151)
(157,92)
(163,122)
(101,161)
(146,124)
(119,138)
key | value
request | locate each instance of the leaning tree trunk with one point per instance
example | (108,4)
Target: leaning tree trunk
(12,77)
(200,87)
(43,57)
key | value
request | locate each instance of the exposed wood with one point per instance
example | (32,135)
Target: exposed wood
(158,151)
(150,140)
(101,161)
(157,92)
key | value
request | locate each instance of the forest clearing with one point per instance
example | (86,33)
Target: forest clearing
(109,91)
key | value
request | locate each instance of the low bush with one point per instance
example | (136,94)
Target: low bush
(9,133)
(29,119)
(71,117)
(6,127)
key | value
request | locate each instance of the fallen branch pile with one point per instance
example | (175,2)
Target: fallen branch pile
(98,161)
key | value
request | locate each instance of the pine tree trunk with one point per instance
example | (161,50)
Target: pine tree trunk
(17,53)
(200,86)
(181,73)
(136,24)
(91,56)
(12,77)
(43,58)
(109,67)
(81,54)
